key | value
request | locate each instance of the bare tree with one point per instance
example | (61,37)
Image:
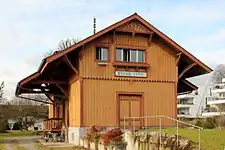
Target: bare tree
(62,45)
(27,112)
(218,74)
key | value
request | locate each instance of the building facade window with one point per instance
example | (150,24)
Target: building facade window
(130,55)
(102,53)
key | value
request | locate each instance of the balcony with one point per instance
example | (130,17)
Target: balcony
(212,114)
(185,96)
(219,88)
(215,100)
(184,105)
(53,124)
(185,102)
(183,113)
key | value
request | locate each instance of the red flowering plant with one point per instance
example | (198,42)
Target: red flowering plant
(93,134)
(112,136)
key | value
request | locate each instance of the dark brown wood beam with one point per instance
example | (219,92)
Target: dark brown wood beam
(186,69)
(178,58)
(49,97)
(150,39)
(62,90)
(68,62)
(189,84)
(114,36)
(133,34)
(50,82)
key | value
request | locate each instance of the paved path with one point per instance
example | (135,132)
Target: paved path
(27,142)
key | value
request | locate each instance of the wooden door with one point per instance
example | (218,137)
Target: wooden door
(130,105)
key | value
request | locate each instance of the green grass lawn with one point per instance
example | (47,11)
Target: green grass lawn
(211,139)
(15,134)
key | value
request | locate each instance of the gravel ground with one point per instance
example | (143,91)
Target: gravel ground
(25,142)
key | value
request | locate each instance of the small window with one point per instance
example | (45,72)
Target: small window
(130,55)
(102,53)
(119,54)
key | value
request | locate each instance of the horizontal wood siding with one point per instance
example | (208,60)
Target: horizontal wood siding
(74,104)
(162,62)
(99,101)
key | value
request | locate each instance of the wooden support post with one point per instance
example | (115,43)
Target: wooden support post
(186,69)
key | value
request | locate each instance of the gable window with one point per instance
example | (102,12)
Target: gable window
(102,53)
(130,55)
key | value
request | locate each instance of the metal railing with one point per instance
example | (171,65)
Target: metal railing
(160,117)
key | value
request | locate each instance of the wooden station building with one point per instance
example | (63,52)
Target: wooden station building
(127,69)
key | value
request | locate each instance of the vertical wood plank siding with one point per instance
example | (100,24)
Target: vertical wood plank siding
(162,63)
(74,104)
(100,100)
(50,111)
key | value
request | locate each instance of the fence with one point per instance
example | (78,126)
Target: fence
(159,118)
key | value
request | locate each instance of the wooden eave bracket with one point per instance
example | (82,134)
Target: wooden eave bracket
(114,36)
(62,90)
(49,97)
(186,69)
(68,62)
(150,38)
(133,34)
(178,58)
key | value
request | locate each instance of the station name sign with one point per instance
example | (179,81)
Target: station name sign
(131,74)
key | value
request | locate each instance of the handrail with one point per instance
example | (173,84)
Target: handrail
(162,116)
(160,126)
(54,119)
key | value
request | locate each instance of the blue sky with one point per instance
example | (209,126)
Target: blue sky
(30,28)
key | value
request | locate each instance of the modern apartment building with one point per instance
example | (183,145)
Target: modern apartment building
(193,104)
(216,102)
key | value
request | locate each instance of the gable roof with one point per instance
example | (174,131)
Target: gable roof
(135,16)
(132,17)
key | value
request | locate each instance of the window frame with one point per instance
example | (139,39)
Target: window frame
(102,46)
(136,48)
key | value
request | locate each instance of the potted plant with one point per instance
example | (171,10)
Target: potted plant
(92,137)
(114,139)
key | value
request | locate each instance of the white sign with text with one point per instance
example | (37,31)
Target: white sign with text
(131,74)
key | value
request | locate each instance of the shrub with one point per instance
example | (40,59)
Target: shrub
(35,128)
(17,126)
(112,136)
(210,123)
(3,125)
(220,121)
(93,134)
(199,122)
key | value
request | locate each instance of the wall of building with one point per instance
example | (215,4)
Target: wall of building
(99,100)
(74,104)
(160,58)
